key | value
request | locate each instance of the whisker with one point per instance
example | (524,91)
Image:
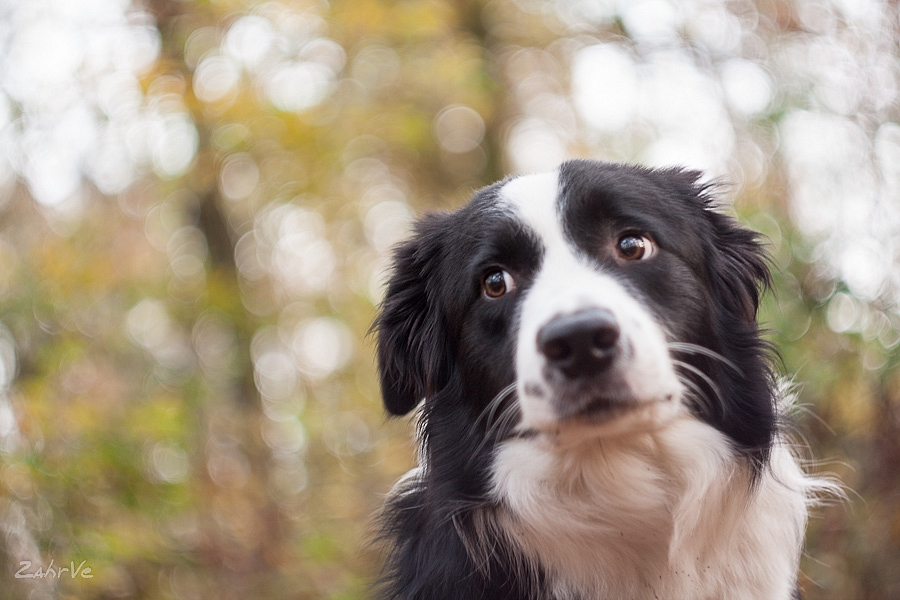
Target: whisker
(706,378)
(495,403)
(689,348)
(500,423)
(489,414)
(701,397)
(712,384)
(505,420)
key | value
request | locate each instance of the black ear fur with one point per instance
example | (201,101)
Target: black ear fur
(740,268)
(737,262)
(414,357)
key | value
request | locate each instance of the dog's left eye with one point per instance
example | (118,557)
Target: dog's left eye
(496,283)
(634,247)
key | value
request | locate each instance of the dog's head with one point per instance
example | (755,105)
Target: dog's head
(609,298)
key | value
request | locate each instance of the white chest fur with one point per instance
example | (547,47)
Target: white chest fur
(669,514)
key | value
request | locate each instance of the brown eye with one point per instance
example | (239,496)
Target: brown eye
(496,283)
(634,247)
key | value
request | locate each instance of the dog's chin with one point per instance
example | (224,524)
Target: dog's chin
(573,422)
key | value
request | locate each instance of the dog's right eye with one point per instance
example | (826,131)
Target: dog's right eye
(634,247)
(496,283)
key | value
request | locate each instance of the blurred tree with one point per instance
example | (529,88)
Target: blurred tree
(197,204)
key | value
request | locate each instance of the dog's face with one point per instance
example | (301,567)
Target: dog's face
(595,300)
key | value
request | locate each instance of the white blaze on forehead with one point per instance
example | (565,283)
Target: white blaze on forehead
(568,282)
(533,198)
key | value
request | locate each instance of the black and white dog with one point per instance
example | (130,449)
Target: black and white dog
(599,417)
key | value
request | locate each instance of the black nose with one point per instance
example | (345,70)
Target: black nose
(580,344)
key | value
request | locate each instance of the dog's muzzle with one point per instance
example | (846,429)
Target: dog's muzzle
(592,355)
(582,362)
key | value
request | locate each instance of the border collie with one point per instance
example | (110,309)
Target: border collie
(599,418)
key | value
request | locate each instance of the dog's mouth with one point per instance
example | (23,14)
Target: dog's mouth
(596,408)
(584,413)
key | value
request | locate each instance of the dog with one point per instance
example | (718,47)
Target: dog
(599,416)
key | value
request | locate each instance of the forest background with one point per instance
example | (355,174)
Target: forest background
(198,199)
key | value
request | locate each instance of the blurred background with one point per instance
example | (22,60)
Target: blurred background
(197,199)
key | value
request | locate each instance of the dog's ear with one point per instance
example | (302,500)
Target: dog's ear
(738,265)
(413,348)
(740,268)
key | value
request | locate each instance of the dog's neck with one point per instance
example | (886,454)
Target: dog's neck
(668,514)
